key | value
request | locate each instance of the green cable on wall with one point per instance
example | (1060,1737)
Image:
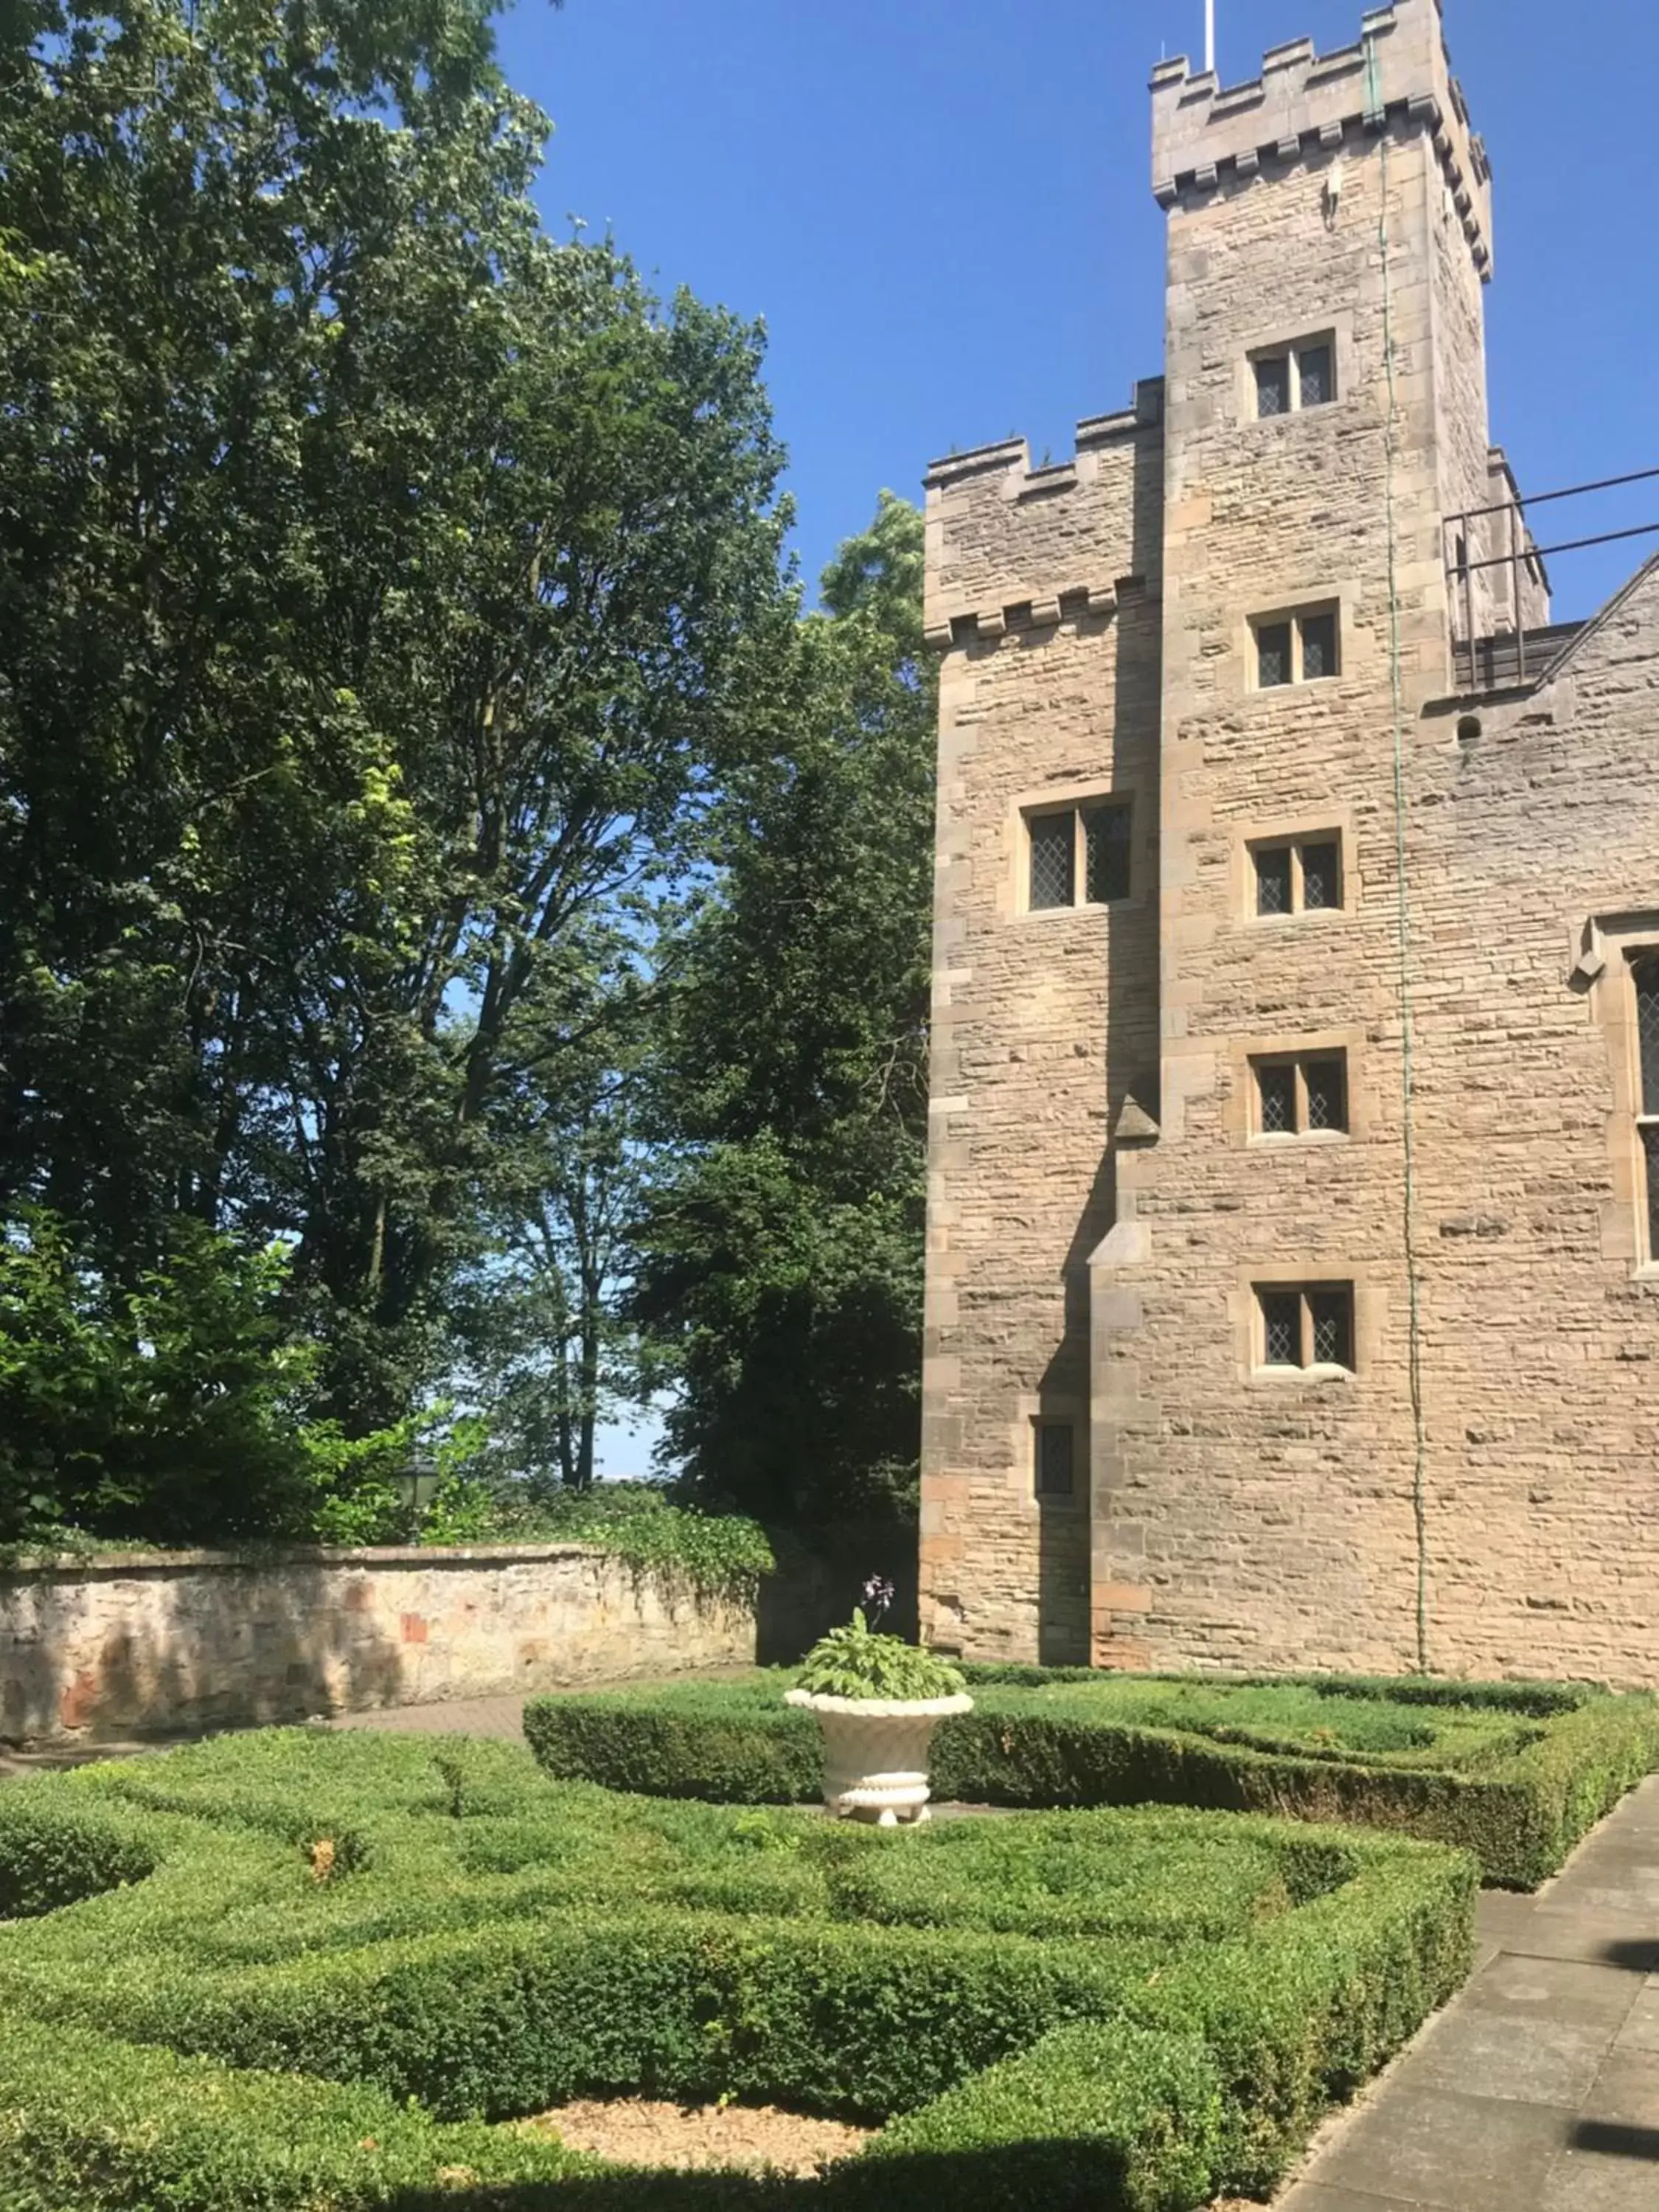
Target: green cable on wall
(1376,119)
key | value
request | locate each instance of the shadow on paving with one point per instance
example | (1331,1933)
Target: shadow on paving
(1614,2139)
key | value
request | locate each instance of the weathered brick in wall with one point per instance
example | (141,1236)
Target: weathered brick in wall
(159,1642)
(1241,1518)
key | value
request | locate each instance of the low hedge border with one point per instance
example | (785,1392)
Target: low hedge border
(352,2070)
(1089,2119)
(1520,1818)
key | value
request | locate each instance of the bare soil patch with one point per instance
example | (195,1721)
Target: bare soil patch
(748,2138)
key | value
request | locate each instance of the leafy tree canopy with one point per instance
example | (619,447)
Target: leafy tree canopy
(382,590)
(782,1242)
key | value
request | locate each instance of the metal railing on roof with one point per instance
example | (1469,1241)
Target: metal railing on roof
(1520,652)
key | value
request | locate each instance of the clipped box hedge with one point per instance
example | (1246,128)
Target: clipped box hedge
(1516,1772)
(206,2004)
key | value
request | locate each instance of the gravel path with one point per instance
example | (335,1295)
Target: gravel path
(749,2138)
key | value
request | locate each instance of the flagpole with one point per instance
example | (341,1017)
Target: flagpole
(1209,35)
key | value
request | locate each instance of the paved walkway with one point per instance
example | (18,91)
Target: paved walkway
(1537,2089)
(496,1716)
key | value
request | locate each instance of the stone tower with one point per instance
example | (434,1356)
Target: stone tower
(1224,935)
(1325,417)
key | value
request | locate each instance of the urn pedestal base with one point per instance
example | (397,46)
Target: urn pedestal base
(875,1753)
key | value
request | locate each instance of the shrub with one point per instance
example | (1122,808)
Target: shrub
(715,1556)
(1122,2009)
(88,2124)
(51,1856)
(1089,2115)
(856,1660)
(1516,1772)
(167,1409)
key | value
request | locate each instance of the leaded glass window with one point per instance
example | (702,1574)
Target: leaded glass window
(1330,1313)
(1281,1327)
(1310,1326)
(1318,646)
(1327,1091)
(1273,384)
(1298,878)
(1298,376)
(1645,974)
(1054,837)
(1080,856)
(1321,876)
(1297,1096)
(1276,1093)
(1054,1456)
(1273,879)
(1106,845)
(1314,376)
(1302,648)
(1273,650)
(1647,1032)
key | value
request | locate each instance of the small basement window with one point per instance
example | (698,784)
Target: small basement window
(1082,849)
(1301,1094)
(1056,1459)
(1289,379)
(1304,648)
(1297,875)
(1305,1326)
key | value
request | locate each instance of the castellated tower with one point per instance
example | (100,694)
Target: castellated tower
(1253,1050)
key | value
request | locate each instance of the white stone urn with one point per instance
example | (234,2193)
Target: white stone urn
(875,1752)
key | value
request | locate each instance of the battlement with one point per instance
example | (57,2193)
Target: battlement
(1013,547)
(1207,137)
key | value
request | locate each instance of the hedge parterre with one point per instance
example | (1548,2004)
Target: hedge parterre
(1515,1772)
(299,1971)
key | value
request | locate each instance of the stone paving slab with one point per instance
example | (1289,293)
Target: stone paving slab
(1537,2089)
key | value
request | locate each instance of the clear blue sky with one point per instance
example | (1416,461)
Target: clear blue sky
(942,210)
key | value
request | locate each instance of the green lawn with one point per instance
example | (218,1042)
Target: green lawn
(1127,2009)
(1516,1772)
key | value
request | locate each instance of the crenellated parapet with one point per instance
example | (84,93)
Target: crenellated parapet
(1207,137)
(1013,548)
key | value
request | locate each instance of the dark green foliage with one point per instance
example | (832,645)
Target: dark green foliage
(91,2124)
(1221,1975)
(172,1409)
(1515,1772)
(723,1748)
(716,1555)
(51,1854)
(856,1660)
(780,1263)
(1088,2115)
(383,586)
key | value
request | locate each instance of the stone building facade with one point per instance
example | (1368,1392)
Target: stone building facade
(1293,1282)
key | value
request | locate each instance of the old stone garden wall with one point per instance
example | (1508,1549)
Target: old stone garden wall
(156,1642)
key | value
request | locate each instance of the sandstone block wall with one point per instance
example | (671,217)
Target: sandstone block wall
(1043,593)
(1239,1515)
(1245,1518)
(155,1643)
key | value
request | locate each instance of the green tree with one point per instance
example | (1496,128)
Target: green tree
(542,1339)
(780,1264)
(380,586)
(173,1408)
